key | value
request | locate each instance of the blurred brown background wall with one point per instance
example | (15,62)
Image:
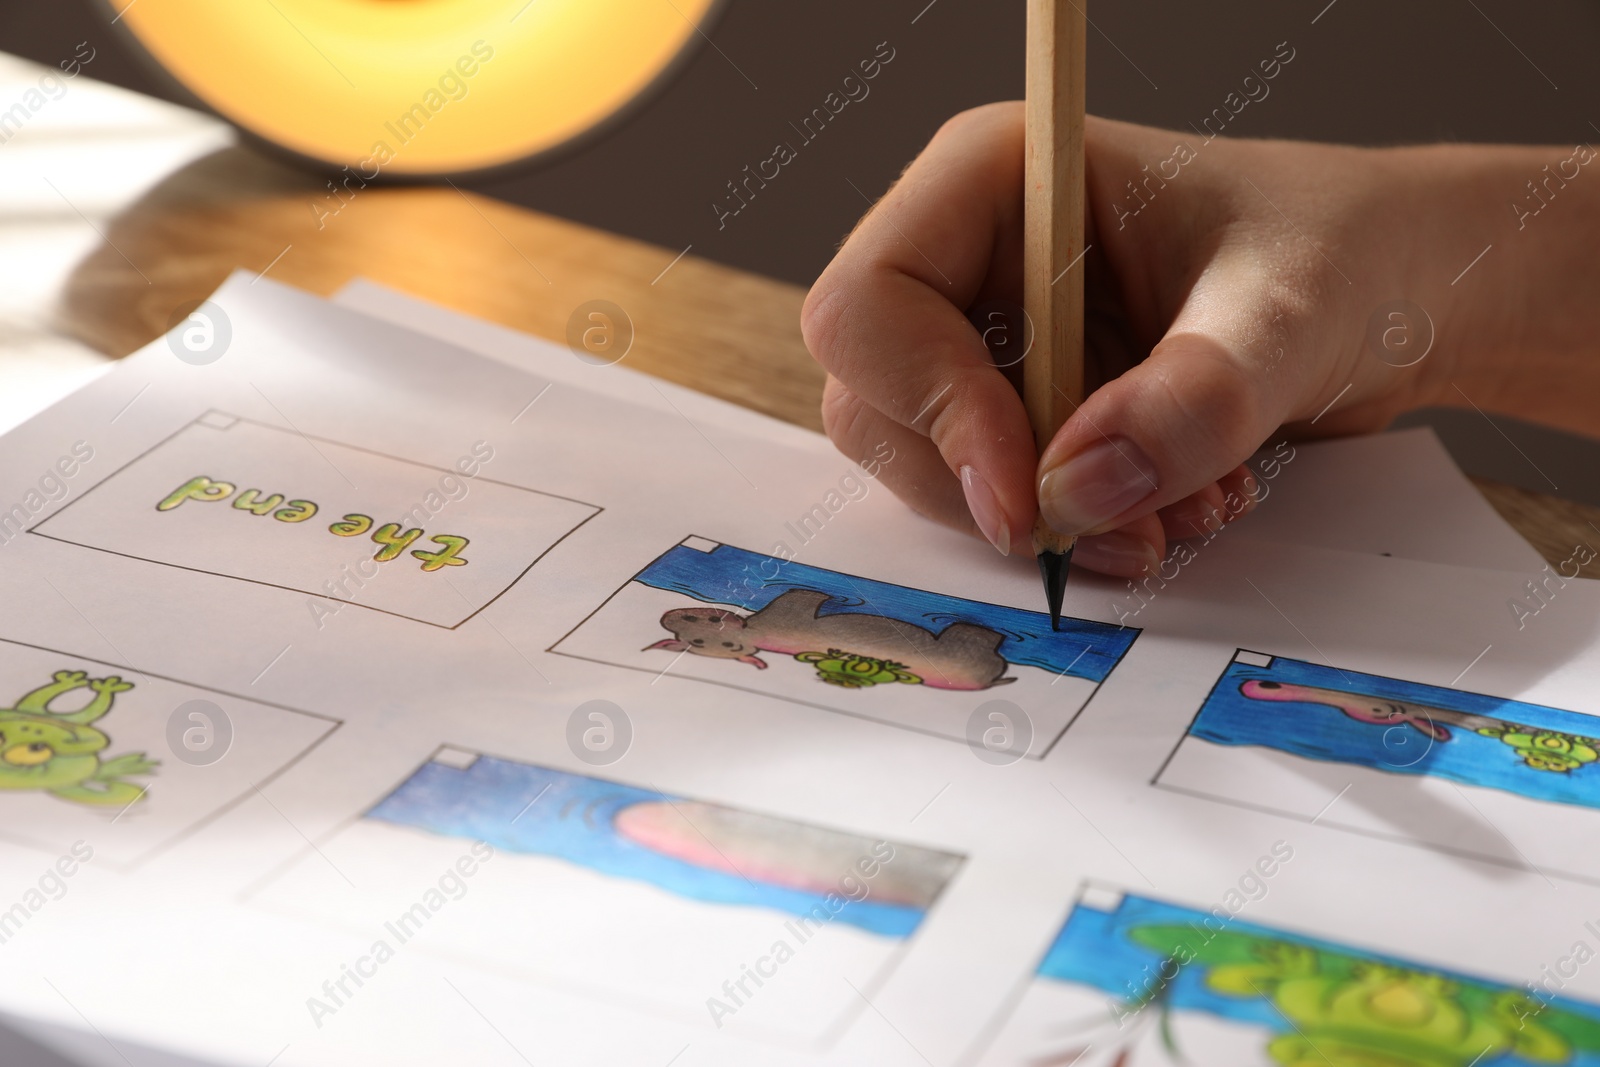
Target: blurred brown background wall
(1365,71)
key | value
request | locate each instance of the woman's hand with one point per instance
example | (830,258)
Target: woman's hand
(1235,290)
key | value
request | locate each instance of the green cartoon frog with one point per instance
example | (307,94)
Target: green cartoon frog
(1545,750)
(1343,1011)
(59,752)
(856,672)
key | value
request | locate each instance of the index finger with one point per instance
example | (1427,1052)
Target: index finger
(887,317)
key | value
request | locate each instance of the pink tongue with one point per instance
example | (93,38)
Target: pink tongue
(1299,694)
(706,836)
(1257,691)
(781,853)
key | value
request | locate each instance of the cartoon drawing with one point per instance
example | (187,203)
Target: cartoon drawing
(1370,709)
(852,649)
(59,752)
(1390,725)
(701,851)
(749,921)
(857,672)
(1544,750)
(78,754)
(1354,1012)
(1317,1002)
(1539,749)
(895,654)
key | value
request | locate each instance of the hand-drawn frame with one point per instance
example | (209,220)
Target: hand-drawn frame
(204,820)
(822,1044)
(199,420)
(1004,1014)
(555,649)
(1412,842)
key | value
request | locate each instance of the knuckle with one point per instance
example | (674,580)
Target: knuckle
(937,413)
(955,124)
(1220,401)
(842,414)
(983,115)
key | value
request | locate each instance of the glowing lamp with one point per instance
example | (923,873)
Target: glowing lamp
(417,86)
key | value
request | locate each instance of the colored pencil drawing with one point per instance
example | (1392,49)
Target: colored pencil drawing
(794,609)
(1541,750)
(895,654)
(47,748)
(1281,999)
(1402,727)
(854,649)
(128,759)
(690,849)
(720,916)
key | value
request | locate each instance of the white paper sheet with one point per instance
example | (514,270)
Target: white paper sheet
(694,819)
(1390,494)
(558,363)
(1429,510)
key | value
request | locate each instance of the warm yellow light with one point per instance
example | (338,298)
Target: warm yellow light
(416,86)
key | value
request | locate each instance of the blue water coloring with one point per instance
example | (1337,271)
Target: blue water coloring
(749,581)
(1321,732)
(1096,947)
(574,820)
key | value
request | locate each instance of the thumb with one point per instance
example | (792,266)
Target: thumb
(1189,414)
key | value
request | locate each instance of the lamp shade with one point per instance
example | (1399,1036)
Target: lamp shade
(416,86)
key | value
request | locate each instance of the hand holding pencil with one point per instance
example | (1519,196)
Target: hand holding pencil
(1230,293)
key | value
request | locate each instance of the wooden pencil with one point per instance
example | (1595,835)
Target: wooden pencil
(1053,212)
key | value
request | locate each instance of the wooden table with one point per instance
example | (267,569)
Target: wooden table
(732,334)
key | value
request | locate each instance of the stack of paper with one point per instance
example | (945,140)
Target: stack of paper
(386,687)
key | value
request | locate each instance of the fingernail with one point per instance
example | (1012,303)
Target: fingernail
(985,509)
(1196,519)
(1122,554)
(1096,486)
(1252,486)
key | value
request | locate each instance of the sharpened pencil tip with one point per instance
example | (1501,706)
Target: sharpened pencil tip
(1053,568)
